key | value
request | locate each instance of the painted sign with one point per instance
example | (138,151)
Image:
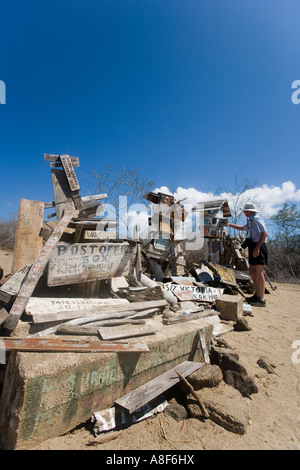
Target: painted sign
(81,262)
(44,305)
(99,234)
(184,292)
(70,173)
(226,275)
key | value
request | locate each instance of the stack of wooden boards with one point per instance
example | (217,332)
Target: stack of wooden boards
(40,244)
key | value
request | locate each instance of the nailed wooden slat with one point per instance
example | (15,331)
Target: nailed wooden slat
(35,272)
(55,159)
(147,392)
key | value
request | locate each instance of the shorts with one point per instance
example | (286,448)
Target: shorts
(262,258)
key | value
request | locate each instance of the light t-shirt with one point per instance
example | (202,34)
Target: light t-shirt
(255,226)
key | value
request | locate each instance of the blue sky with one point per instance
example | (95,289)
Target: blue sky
(190,92)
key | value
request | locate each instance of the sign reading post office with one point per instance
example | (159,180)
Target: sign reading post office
(81,262)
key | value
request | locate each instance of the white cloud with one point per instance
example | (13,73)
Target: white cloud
(268,198)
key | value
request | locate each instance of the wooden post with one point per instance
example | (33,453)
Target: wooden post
(36,271)
(28,242)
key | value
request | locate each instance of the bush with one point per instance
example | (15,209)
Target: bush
(7,232)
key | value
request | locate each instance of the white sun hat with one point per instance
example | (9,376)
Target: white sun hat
(249,207)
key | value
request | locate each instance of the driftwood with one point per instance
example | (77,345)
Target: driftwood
(187,317)
(93,328)
(195,394)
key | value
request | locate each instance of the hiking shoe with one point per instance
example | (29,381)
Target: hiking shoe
(259,303)
(253,298)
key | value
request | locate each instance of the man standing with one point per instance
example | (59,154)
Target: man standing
(258,252)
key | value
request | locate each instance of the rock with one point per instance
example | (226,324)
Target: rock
(243,383)
(216,353)
(206,376)
(262,362)
(225,405)
(176,411)
(228,362)
(242,325)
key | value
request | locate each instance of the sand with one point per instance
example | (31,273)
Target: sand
(274,422)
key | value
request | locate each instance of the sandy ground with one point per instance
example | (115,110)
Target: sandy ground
(274,411)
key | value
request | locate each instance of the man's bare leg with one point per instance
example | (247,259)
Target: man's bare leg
(260,281)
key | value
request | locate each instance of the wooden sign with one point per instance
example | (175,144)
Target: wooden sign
(183,292)
(81,262)
(42,306)
(99,235)
(70,173)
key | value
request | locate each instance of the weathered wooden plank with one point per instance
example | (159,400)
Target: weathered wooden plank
(147,392)
(188,317)
(62,193)
(28,242)
(3,315)
(35,273)
(204,347)
(92,329)
(70,173)
(13,285)
(62,345)
(48,157)
(80,321)
(81,262)
(85,200)
(96,312)
(91,210)
(126,331)
(40,306)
